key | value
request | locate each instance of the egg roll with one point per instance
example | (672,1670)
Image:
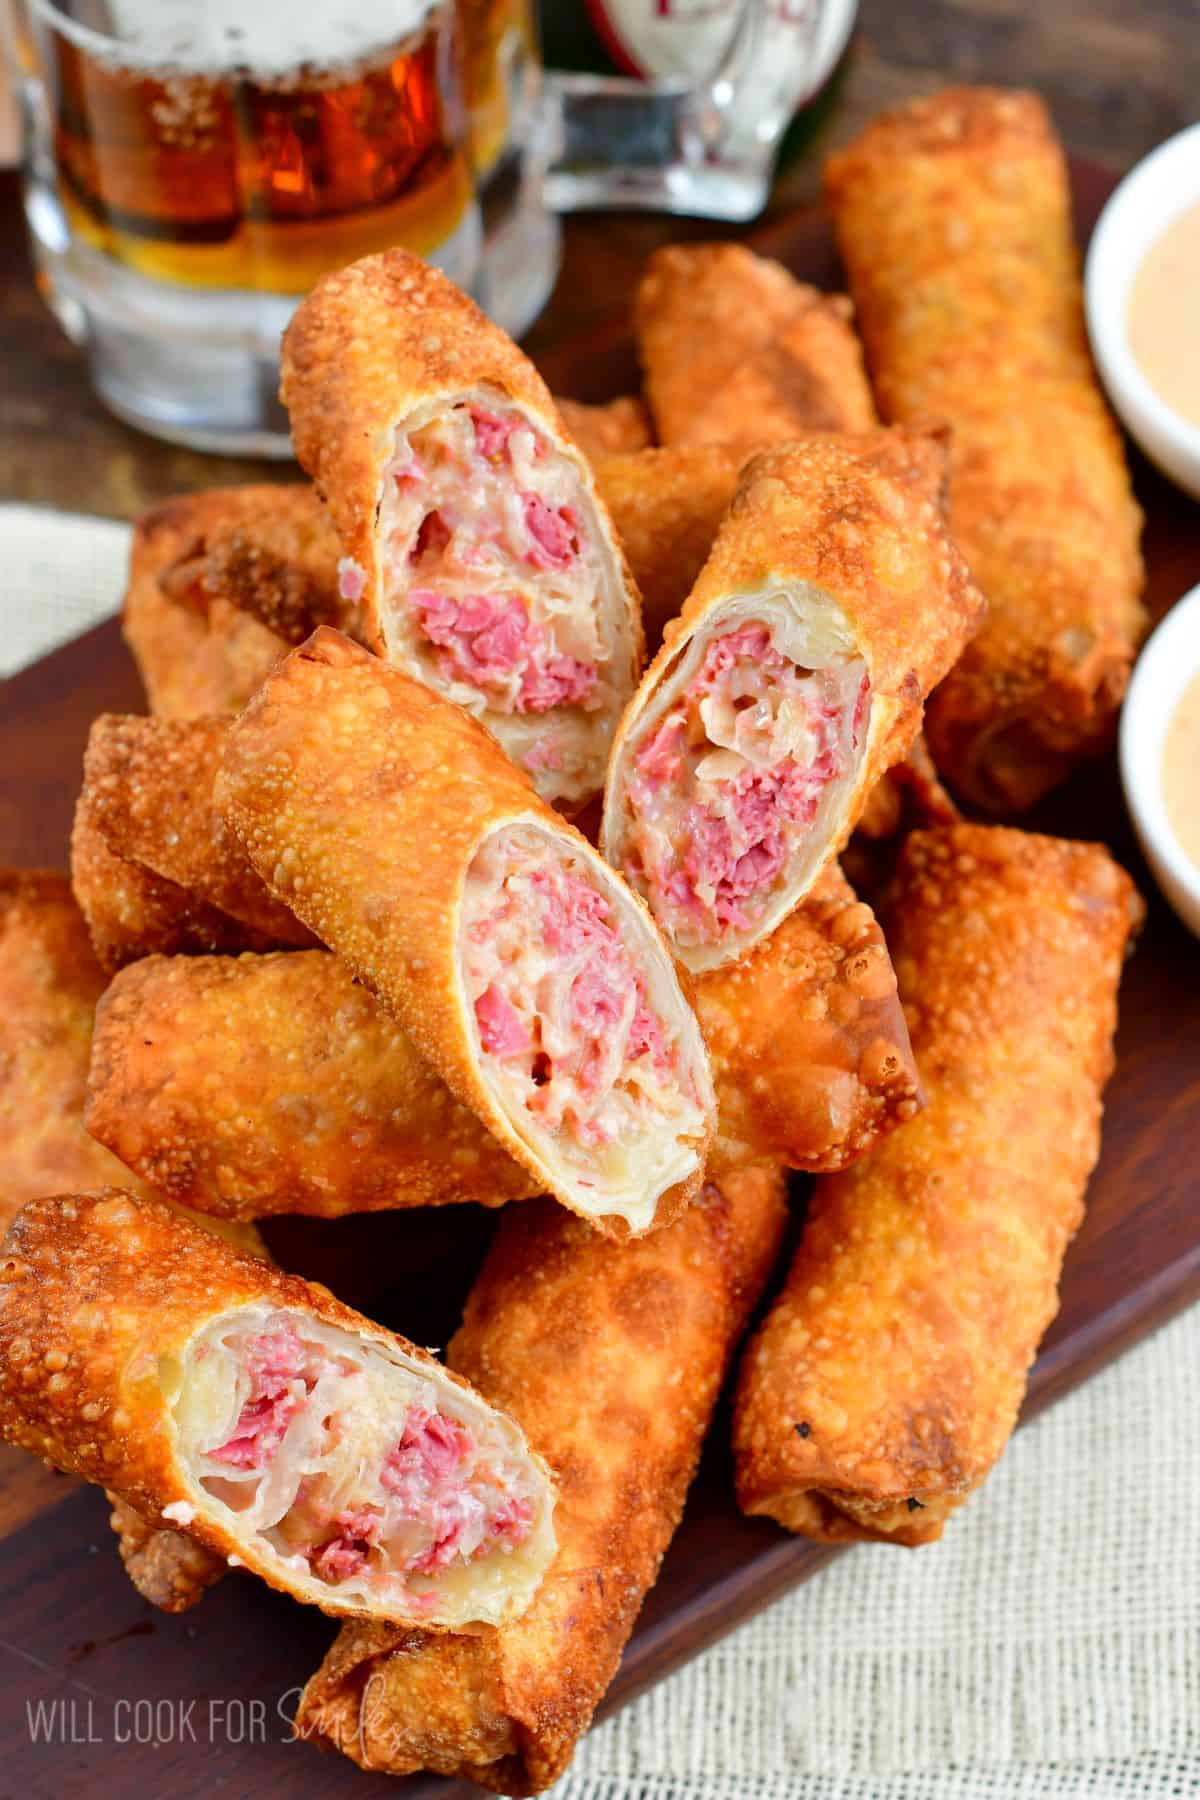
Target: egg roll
(832,602)
(475,541)
(519,965)
(613,428)
(147,793)
(666,505)
(736,351)
(954,219)
(612,1360)
(887,1378)
(251,1085)
(276,1426)
(198,653)
(809,1046)
(908,797)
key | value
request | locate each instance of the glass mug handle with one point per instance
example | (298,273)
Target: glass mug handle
(703,146)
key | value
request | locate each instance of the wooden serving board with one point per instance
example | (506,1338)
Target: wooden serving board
(114,1679)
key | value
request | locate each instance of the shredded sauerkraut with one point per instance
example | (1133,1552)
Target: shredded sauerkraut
(725,783)
(573,1038)
(492,580)
(345,1463)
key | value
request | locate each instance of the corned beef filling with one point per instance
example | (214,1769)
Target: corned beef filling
(564,1011)
(347,1461)
(726,783)
(489,566)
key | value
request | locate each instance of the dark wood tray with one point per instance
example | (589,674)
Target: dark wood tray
(98,1661)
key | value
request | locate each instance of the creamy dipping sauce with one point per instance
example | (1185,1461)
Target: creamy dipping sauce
(1163,322)
(1180,767)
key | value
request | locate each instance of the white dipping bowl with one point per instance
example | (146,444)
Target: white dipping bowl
(1168,663)
(1151,197)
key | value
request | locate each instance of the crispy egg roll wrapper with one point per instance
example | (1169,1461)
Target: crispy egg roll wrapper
(666,505)
(280,566)
(612,429)
(837,601)
(252,1085)
(483,556)
(150,1356)
(612,1360)
(887,1378)
(736,351)
(50,982)
(148,790)
(808,1041)
(198,653)
(396,828)
(953,216)
(908,797)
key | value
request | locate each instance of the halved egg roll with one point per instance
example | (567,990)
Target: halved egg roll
(832,602)
(484,559)
(735,350)
(611,429)
(954,219)
(666,505)
(520,966)
(887,1377)
(612,1360)
(198,653)
(252,1085)
(147,791)
(809,1047)
(211,1391)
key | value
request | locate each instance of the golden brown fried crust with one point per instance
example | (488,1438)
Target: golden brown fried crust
(614,429)
(807,1037)
(666,506)
(861,518)
(168,1568)
(909,797)
(369,343)
(274,1084)
(362,797)
(198,653)
(953,216)
(147,790)
(50,982)
(611,1359)
(95,1289)
(736,351)
(280,567)
(887,1378)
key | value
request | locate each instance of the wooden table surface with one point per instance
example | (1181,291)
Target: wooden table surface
(1119,79)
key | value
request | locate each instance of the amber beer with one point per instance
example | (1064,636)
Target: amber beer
(499,62)
(272,141)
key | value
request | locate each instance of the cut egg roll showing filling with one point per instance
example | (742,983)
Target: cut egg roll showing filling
(474,538)
(254,1411)
(519,964)
(828,606)
(583,1040)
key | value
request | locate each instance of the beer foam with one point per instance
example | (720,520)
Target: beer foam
(266,38)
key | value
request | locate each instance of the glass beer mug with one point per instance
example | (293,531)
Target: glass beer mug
(192,166)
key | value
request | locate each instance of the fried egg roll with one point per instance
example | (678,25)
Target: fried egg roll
(612,429)
(832,602)
(147,792)
(666,505)
(611,1359)
(908,797)
(279,1428)
(198,653)
(736,351)
(520,966)
(482,555)
(809,1047)
(954,220)
(887,1377)
(167,1567)
(252,1085)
